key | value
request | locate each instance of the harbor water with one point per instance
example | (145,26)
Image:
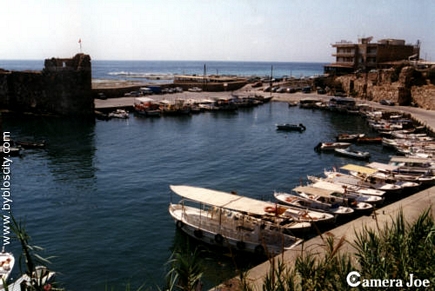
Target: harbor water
(97,196)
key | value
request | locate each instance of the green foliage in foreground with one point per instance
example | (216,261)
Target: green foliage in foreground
(390,253)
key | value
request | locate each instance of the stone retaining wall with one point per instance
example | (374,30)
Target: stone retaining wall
(406,87)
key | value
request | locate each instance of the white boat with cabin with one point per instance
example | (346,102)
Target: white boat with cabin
(320,202)
(370,177)
(219,221)
(345,192)
(351,188)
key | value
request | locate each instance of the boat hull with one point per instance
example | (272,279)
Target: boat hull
(230,230)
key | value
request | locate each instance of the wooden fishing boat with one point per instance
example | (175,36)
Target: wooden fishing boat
(368,139)
(349,137)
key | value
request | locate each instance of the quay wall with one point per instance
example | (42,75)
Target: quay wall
(63,87)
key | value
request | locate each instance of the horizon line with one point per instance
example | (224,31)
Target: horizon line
(173,60)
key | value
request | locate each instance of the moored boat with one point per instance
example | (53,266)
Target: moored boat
(349,137)
(348,152)
(350,186)
(30,144)
(217,222)
(314,199)
(119,113)
(330,146)
(41,279)
(368,139)
(345,191)
(7,262)
(369,177)
(291,127)
(147,107)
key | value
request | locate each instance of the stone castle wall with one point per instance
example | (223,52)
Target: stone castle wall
(63,87)
(404,86)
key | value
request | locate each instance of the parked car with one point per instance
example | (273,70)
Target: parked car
(306,89)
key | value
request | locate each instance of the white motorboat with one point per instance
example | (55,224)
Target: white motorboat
(346,192)
(330,146)
(218,221)
(316,199)
(348,152)
(119,113)
(7,261)
(332,197)
(41,279)
(365,177)
(352,186)
(388,174)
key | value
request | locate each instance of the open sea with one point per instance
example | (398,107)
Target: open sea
(97,197)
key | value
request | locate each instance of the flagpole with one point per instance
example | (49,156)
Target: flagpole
(80,42)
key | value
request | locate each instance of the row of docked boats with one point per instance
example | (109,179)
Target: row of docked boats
(402,134)
(232,221)
(241,223)
(152,108)
(266,227)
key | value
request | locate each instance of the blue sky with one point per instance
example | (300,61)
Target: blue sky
(234,30)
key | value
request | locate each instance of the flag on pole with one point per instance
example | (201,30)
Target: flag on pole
(80,42)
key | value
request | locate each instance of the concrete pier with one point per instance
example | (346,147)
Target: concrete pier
(411,206)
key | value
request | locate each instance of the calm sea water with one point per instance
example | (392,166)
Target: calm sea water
(149,70)
(97,197)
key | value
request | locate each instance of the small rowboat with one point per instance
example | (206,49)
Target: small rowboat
(330,146)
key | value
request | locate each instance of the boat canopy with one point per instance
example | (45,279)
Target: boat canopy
(382,166)
(223,199)
(314,191)
(398,159)
(359,169)
(329,186)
